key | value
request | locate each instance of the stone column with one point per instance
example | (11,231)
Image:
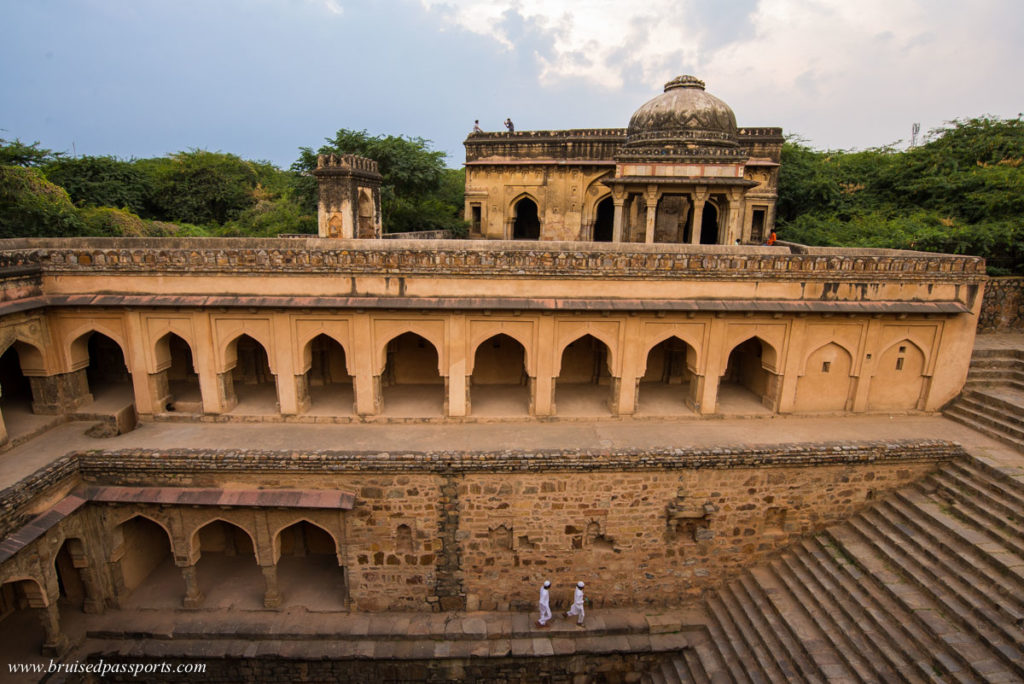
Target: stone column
(54,643)
(367,392)
(225,390)
(60,393)
(193,597)
(699,198)
(652,197)
(619,203)
(302,400)
(733,231)
(272,596)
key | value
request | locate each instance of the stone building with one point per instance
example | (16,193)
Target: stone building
(682,172)
(335,332)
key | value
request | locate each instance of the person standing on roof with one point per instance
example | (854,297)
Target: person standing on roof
(476,127)
(510,126)
(544,604)
(577,605)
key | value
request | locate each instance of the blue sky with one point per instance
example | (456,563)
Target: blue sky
(260,78)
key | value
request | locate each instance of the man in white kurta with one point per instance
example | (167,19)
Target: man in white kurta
(577,604)
(545,605)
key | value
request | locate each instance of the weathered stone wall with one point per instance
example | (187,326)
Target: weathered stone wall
(1002,307)
(483,530)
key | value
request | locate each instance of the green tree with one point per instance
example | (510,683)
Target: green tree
(101,181)
(31,206)
(199,187)
(16,153)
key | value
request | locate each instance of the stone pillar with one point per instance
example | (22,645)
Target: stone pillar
(54,643)
(699,198)
(272,596)
(302,400)
(60,393)
(457,380)
(367,391)
(652,197)
(159,391)
(193,597)
(93,597)
(225,391)
(733,230)
(619,203)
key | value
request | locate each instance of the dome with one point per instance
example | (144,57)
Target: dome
(684,121)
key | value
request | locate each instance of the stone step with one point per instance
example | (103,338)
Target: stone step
(967,417)
(711,662)
(751,638)
(931,656)
(1002,589)
(999,510)
(1004,422)
(1001,403)
(741,662)
(655,677)
(868,651)
(934,611)
(692,666)
(960,602)
(770,622)
(982,354)
(818,605)
(759,635)
(856,613)
(669,675)
(1008,487)
(973,524)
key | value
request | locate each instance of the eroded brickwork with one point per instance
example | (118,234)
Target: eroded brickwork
(1002,307)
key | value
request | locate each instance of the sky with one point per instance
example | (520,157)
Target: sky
(260,78)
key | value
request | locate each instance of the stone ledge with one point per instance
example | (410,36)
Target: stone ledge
(141,463)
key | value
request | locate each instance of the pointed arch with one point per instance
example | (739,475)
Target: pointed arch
(667,386)
(584,363)
(141,545)
(825,384)
(525,211)
(411,381)
(298,521)
(898,382)
(196,541)
(746,375)
(499,382)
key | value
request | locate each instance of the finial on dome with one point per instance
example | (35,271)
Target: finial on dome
(684,82)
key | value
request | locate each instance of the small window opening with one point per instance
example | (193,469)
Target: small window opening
(899,364)
(825,366)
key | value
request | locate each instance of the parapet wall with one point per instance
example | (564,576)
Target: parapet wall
(491,258)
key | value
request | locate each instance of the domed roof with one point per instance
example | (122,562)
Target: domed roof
(684,121)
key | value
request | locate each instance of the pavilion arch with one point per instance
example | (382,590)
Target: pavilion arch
(292,523)
(381,357)
(825,383)
(585,363)
(499,382)
(574,333)
(666,384)
(30,357)
(195,543)
(524,213)
(899,380)
(749,367)
(693,343)
(32,588)
(139,545)
(306,347)
(229,350)
(130,515)
(772,341)
(516,334)
(158,359)
(77,343)
(175,375)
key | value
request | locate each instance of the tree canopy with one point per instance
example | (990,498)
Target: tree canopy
(962,191)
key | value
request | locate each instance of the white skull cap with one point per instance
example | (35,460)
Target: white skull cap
(579,584)
(547,583)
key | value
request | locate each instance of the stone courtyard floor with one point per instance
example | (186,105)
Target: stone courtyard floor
(25,459)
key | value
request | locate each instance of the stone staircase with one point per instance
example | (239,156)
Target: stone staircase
(924,585)
(992,401)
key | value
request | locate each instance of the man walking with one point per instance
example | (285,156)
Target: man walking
(577,605)
(545,605)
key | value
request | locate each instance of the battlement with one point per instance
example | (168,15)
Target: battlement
(349,162)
